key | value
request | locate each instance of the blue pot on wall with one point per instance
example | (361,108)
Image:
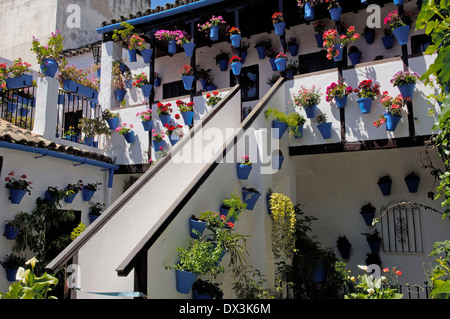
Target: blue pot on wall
(147,125)
(11,274)
(261,52)
(89,140)
(49,67)
(172,47)
(325,130)
(391,121)
(369,36)
(310,111)
(158,144)
(157,81)
(281,64)
(374,245)
(388,41)
(236,68)
(412,184)
(236,40)
(293,49)
(365,104)
(340,49)
(188,116)
(341,102)
(402,34)
(132,55)
(165,119)
(279,28)
(129,137)
(214,33)
(278,129)
(112,122)
(70,197)
(385,188)
(299,132)
(16,195)
(197,225)
(407,90)
(188,80)
(309,12)
(355,57)
(147,55)
(319,39)
(120,94)
(223,64)
(10,231)
(398,2)
(250,198)
(87,194)
(335,13)
(92,217)
(185,280)
(272,64)
(189,48)
(277,162)
(243,56)
(318,274)
(243,171)
(146,90)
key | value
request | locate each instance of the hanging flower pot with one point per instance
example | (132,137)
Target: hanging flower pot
(92,217)
(173,139)
(112,122)
(225,211)
(147,125)
(385,183)
(368,213)
(398,2)
(365,104)
(165,119)
(70,197)
(185,280)
(407,90)
(355,57)
(19,82)
(236,40)
(319,39)
(147,55)
(11,274)
(279,28)
(369,35)
(281,64)
(401,34)
(120,94)
(16,195)
(293,49)
(277,162)
(146,90)
(391,121)
(278,128)
(412,182)
(189,48)
(375,245)
(340,49)
(188,80)
(299,131)
(49,67)
(10,231)
(236,68)
(325,129)
(388,41)
(197,225)
(129,137)
(172,47)
(261,52)
(132,55)
(243,170)
(157,81)
(273,64)
(87,194)
(214,33)
(187,117)
(223,64)
(89,140)
(158,145)
(250,197)
(344,247)
(310,111)
(341,102)
(243,57)
(309,12)
(335,13)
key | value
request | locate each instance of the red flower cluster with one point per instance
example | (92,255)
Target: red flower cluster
(365,89)
(164,109)
(235,58)
(186,70)
(171,128)
(185,107)
(277,17)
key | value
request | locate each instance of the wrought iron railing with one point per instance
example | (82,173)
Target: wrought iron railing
(18,106)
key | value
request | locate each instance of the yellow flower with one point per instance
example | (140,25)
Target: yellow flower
(32,261)
(22,274)
(370,291)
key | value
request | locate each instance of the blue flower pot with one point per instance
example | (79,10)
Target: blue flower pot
(391,121)
(345,251)
(19,82)
(388,41)
(214,33)
(369,36)
(87,194)
(129,137)
(243,171)
(197,295)
(290,74)
(261,52)
(188,116)
(16,195)
(146,90)
(319,39)
(49,197)
(11,274)
(189,48)
(165,119)
(385,188)
(310,111)
(318,274)
(299,132)
(243,56)
(157,82)
(172,47)
(147,55)
(92,217)
(250,198)
(368,217)
(277,162)
(10,231)
(188,80)
(89,141)
(340,49)
(185,280)
(412,184)
(173,139)
(272,64)
(281,64)
(236,40)
(70,86)
(70,197)
(293,49)
(374,245)
(86,92)
(147,125)
(401,34)
(309,12)
(132,55)
(223,64)
(278,129)
(49,67)
(236,68)
(158,144)
(23,111)
(279,28)
(355,57)
(335,13)
(341,102)
(407,90)
(198,226)
(398,2)
(203,83)
(365,104)
(120,94)
(325,130)
(112,122)
(224,211)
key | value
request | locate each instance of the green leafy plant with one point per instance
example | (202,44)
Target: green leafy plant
(124,34)
(52,50)
(13,261)
(77,231)
(234,204)
(293,120)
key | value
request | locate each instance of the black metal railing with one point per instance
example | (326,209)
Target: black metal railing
(18,106)
(71,108)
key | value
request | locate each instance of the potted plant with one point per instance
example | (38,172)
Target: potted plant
(71,191)
(87,126)
(203,289)
(157,80)
(296,130)
(235,37)
(124,35)
(164,111)
(170,129)
(17,187)
(199,258)
(110,118)
(243,50)
(262,46)
(283,225)
(11,229)
(278,23)
(281,121)
(308,6)
(244,167)
(277,159)
(250,196)
(232,207)
(412,181)
(292,68)
(319,26)
(374,240)
(127,131)
(203,75)
(136,43)
(213,27)
(339,92)
(323,126)
(406,82)
(49,55)
(335,10)
(146,119)
(186,110)
(293,46)
(187,75)
(95,210)
(369,35)
(141,81)
(120,80)
(272,53)
(89,189)
(385,183)
(213,99)
(368,213)
(158,140)
(308,99)
(11,263)
(399,25)
(393,114)
(354,54)
(280,62)
(184,40)
(17,75)
(53,194)
(344,246)
(367,92)
(236,65)
(171,38)
(335,44)
(388,38)
(222,60)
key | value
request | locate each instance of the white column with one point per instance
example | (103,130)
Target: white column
(45,117)
(111,51)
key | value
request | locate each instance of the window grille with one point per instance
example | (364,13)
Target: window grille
(401,228)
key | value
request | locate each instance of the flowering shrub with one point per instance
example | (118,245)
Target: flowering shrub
(214,21)
(332,4)
(52,50)
(330,40)
(165,35)
(70,131)
(164,109)
(245,160)
(393,105)
(234,59)
(159,137)
(404,77)
(337,90)
(172,128)
(145,116)
(124,128)
(75,188)
(307,97)
(22,183)
(140,79)
(395,20)
(136,43)
(213,99)
(301,3)
(186,70)
(234,31)
(281,55)
(185,107)
(93,186)
(365,89)
(18,68)
(277,17)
